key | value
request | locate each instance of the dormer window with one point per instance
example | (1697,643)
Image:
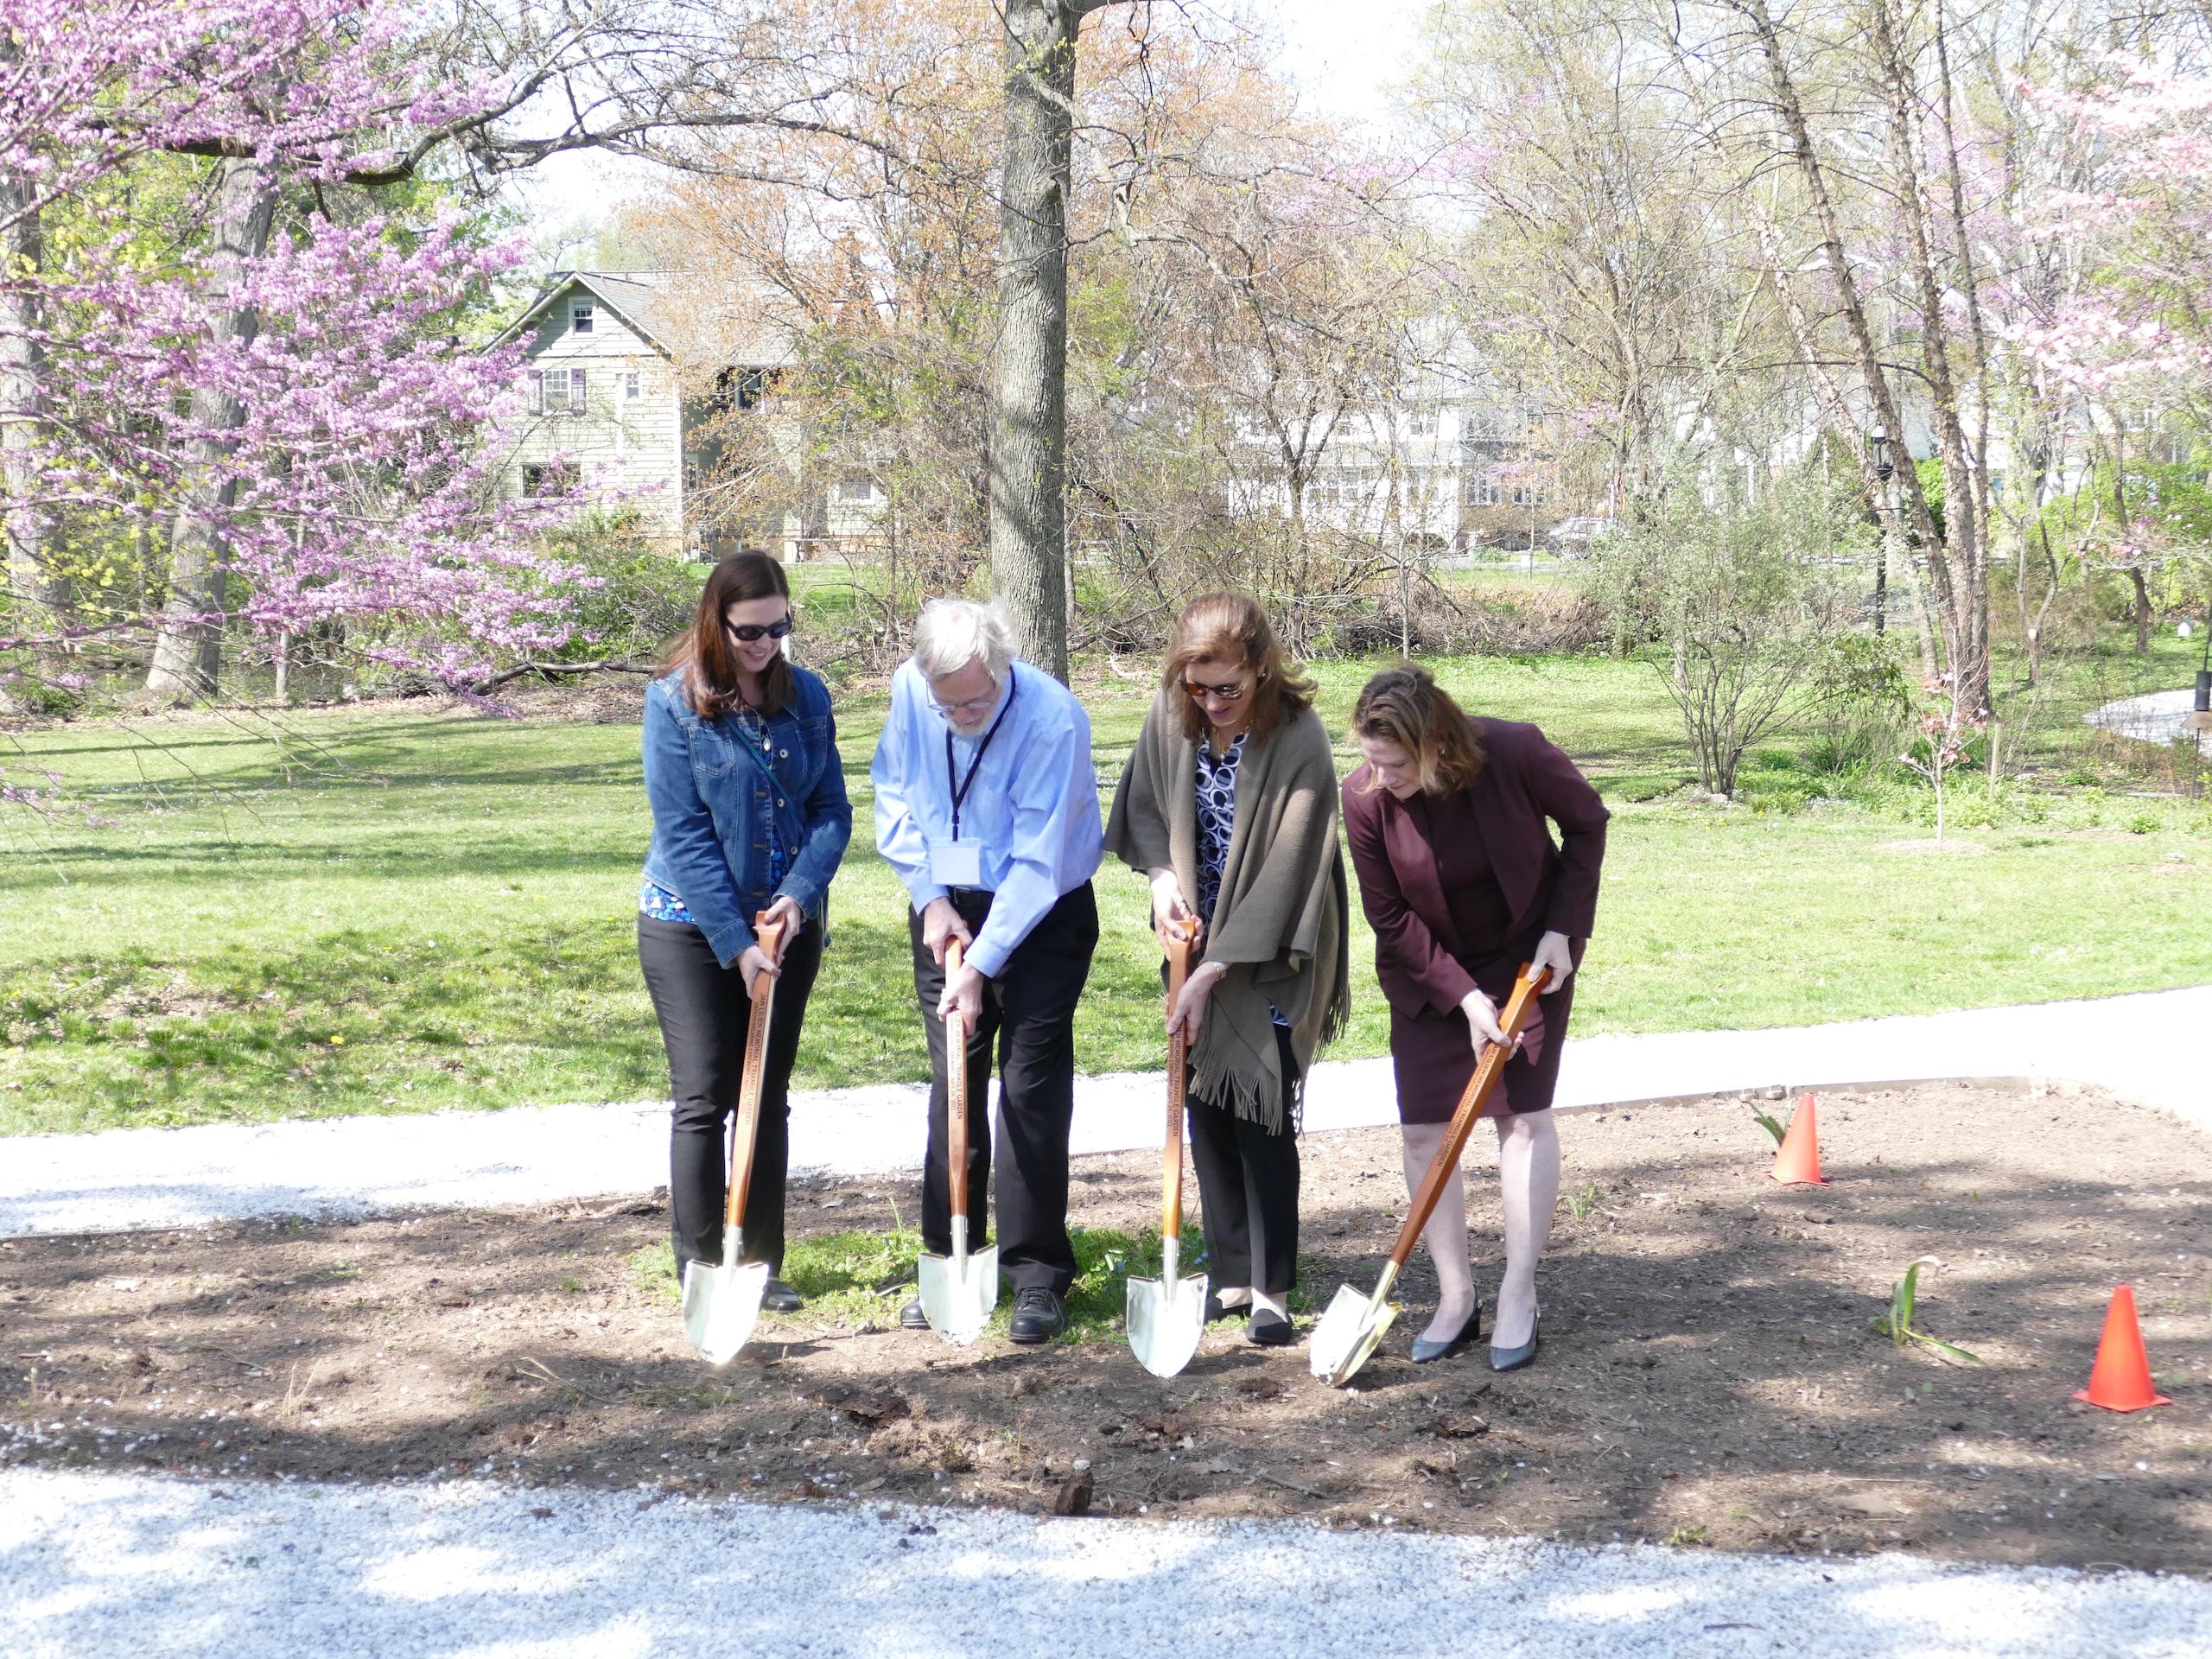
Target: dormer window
(580,314)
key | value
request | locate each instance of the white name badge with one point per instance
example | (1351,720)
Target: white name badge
(956,864)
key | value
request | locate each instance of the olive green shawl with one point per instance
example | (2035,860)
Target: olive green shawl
(1281,920)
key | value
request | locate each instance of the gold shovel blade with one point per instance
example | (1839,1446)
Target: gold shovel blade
(1348,1334)
(1166,1319)
(958,1303)
(720,1305)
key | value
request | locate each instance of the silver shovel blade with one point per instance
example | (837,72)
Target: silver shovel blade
(1166,1319)
(720,1305)
(1347,1335)
(956,1298)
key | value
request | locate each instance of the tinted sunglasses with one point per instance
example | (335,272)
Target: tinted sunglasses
(752,633)
(1227,693)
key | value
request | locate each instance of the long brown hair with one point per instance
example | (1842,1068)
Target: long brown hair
(1405,705)
(1231,627)
(703,650)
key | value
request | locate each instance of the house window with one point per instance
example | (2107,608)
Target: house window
(856,489)
(1526,494)
(547,479)
(580,317)
(1421,424)
(560,391)
(741,389)
(629,385)
(1487,491)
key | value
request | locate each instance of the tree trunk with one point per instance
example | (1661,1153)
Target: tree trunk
(188,649)
(41,595)
(1028,433)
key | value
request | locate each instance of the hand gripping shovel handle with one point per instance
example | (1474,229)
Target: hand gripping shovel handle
(1178,1047)
(956,1112)
(1446,1161)
(769,935)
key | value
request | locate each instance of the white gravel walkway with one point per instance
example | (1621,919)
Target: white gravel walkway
(2146,1047)
(147,1567)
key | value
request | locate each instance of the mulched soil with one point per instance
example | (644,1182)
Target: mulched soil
(1707,1377)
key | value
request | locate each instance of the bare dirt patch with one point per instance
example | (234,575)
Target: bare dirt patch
(1707,1375)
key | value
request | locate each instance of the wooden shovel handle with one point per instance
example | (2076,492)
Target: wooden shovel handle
(768,935)
(1179,1048)
(956,1090)
(1445,1164)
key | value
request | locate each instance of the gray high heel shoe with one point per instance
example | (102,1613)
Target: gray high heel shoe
(1512,1359)
(1425,1350)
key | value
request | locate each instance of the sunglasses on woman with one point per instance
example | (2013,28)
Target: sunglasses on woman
(1199,693)
(753,632)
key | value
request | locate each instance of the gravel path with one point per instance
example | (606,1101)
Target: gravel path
(2154,717)
(135,1566)
(2143,1047)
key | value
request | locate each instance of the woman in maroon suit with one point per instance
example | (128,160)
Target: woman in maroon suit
(1462,882)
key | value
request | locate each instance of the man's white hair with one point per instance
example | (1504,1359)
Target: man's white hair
(951,633)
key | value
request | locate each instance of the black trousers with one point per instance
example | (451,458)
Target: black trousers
(1029,1014)
(1248,1183)
(704,1014)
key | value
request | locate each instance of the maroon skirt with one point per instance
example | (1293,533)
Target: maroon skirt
(1432,1055)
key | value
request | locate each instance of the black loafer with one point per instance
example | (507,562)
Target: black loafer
(781,1298)
(910,1317)
(1039,1316)
(1271,1329)
(1218,1310)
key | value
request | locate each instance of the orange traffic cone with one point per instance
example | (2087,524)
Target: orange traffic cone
(1798,1161)
(2121,1378)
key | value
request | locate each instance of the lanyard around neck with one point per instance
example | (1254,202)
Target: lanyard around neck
(951,775)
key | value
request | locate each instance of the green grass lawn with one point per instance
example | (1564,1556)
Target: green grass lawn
(368,911)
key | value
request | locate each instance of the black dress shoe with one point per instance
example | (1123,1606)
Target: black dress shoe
(1512,1359)
(910,1317)
(781,1298)
(1217,1309)
(1425,1351)
(1039,1316)
(1271,1329)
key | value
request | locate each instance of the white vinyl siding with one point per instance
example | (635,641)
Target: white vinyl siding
(605,412)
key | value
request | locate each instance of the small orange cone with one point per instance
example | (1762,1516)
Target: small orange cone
(2121,1378)
(1798,1161)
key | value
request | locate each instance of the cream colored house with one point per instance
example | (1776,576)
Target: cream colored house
(623,409)
(605,409)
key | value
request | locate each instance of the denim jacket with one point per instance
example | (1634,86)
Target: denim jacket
(714,796)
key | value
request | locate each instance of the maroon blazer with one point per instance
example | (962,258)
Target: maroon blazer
(1525,780)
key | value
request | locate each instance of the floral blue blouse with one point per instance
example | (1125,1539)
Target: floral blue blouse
(1215,785)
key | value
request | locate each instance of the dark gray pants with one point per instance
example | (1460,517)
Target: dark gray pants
(1029,1014)
(704,1014)
(1248,1189)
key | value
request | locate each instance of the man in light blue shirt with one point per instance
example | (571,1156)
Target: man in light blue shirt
(987,807)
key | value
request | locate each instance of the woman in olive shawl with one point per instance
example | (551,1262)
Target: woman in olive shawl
(1229,806)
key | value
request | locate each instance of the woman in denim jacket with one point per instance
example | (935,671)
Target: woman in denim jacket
(749,815)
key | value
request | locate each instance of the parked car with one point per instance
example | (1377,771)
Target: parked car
(1572,538)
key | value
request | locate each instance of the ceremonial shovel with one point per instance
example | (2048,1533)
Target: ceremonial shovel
(721,1304)
(1355,1323)
(959,1290)
(1167,1315)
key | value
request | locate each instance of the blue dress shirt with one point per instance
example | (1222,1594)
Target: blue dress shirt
(1032,812)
